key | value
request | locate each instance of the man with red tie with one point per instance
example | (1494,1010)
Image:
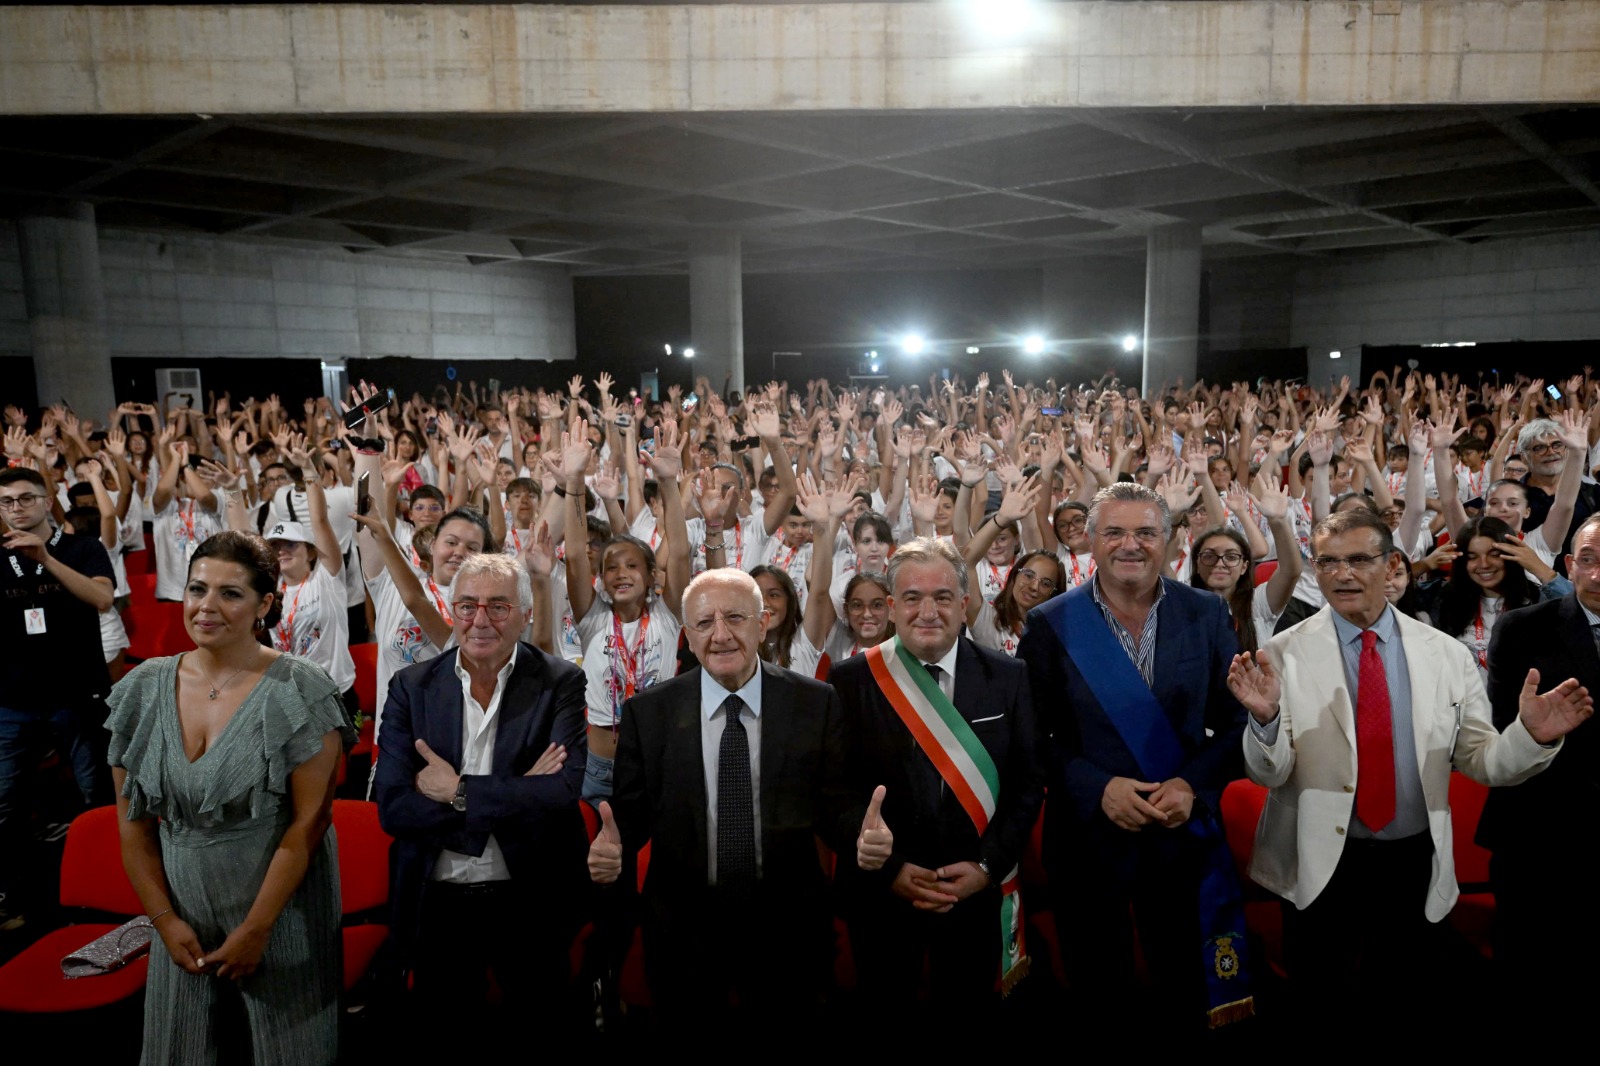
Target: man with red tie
(1357,716)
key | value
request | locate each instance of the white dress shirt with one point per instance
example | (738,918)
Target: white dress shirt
(479,725)
(712,723)
(946,663)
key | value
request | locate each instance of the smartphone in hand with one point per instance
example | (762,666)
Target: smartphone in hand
(363,494)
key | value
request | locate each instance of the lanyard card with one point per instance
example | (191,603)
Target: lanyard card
(33,617)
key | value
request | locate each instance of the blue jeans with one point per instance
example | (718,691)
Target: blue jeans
(79,736)
(597,770)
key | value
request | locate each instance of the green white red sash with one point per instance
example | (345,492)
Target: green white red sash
(966,766)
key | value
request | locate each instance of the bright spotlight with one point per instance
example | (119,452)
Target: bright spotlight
(1335,355)
(1130,342)
(972,349)
(668,347)
(912,344)
(1033,344)
(688,353)
(874,368)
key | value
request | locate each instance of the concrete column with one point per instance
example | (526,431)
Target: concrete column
(716,308)
(1171,305)
(67,309)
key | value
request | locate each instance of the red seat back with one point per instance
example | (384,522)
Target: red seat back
(591,819)
(1467,798)
(1266,570)
(366,660)
(1242,803)
(92,874)
(363,856)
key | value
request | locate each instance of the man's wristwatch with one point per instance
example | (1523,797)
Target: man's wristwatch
(459,802)
(985,868)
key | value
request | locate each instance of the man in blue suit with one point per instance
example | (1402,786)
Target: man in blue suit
(478,779)
(1142,743)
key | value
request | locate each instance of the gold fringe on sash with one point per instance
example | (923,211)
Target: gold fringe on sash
(1013,977)
(1228,1013)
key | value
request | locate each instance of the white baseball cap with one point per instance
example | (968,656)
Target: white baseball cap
(290,531)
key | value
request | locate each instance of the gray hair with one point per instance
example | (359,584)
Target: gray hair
(729,576)
(495,565)
(928,550)
(1539,427)
(1129,492)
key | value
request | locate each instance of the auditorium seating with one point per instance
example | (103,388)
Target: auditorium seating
(1265,570)
(92,881)
(363,884)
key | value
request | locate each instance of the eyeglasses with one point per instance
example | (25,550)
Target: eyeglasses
(1074,523)
(1331,564)
(27,499)
(732,619)
(1544,446)
(1146,536)
(1043,582)
(467,610)
(1211,558)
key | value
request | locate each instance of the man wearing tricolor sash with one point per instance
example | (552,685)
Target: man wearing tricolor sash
(1144,736)
(947,750)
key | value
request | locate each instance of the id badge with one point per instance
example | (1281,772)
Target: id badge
(188,552)
(33,617)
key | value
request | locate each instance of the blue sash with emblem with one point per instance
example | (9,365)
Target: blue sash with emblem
(1145,729)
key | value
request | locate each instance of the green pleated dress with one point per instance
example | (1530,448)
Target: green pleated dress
(221,819)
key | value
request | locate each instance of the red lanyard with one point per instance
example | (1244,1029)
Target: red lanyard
(655,537)
(1078,577)
(187,518)
(995,576)
(787,559)
(439,601)
(631,659)
(738,545)
(516,539)
(1482,651)
(286,627)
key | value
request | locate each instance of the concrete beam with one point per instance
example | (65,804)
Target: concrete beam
(350,58)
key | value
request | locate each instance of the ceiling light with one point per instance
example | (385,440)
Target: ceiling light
(1336,355)
(668,348)
(1033,344)
(1130,342)
(688,353)
(912,344)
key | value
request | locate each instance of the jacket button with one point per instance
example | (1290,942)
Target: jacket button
(1349,788)
(1339,829)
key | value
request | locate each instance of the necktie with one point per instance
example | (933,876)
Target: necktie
(935,672)
(1374,739)
(736,809)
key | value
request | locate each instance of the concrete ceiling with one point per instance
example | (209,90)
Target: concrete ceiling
(892,191)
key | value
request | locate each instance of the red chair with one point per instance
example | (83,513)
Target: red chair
(366,660)
(1242,803)
(1266,570)
(155,628)
(92,878)
(363,883)
(137,564)
(1473,915)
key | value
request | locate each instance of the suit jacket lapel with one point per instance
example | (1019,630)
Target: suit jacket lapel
(1426,707)
(1580,647)
(777,726)
(444,712)
(516,709)
(684,777)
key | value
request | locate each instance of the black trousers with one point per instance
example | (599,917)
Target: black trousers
(1100,912)
(894,944)
(1366,942)
(469,931)
(1546,930)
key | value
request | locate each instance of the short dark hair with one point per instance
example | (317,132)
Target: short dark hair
(1340,522)
(874,521)
(255,555)
(12,475)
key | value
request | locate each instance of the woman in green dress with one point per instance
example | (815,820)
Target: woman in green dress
(224,760)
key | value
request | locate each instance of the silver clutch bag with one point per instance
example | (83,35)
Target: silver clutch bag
(110,952)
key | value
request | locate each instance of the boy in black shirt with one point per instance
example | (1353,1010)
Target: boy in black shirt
(53,679)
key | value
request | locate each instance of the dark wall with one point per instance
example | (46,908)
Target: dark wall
(1548,359)
(406,376)
(20,384)
(291,379)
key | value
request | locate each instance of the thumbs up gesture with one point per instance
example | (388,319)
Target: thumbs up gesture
(875,842)
(437,779)
(605,854)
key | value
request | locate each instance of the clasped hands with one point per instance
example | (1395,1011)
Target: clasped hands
(925,889)
(1169,803)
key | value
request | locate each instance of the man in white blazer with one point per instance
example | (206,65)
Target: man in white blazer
(1361,847)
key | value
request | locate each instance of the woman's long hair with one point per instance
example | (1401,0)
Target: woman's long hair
(1243,592)
(780,639)
(1007,615)
(1461,599)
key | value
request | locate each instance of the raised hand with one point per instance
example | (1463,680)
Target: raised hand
(812,501)
(1554,714)
(16,442)
(1160,459)
(575,386)
(608,483)
(1255,684)
(715,502)
(1018,501)
(1442,433)
(1270,496)
(1320,448)
(605,854)
(666,460)
(1574,431)
(875,843)
(540,554)
(764,418)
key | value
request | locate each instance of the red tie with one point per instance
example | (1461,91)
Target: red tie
(1374,739)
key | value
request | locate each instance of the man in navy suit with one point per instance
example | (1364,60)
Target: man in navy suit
(947,782)
(478,779)
(1145,735)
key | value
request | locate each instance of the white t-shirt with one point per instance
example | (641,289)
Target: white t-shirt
(743,542)
(1078,566)
(986,633)
(572,635)
(803,655)
(839,645)
(401,640)
(288,505)
(1262,615)
(316,626)
(792,561)
(180,527)
(991,579)
(1479,630)
(644,527)
(643,660)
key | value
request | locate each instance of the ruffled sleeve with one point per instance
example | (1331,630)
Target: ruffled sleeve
(304,709)
(138,743)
